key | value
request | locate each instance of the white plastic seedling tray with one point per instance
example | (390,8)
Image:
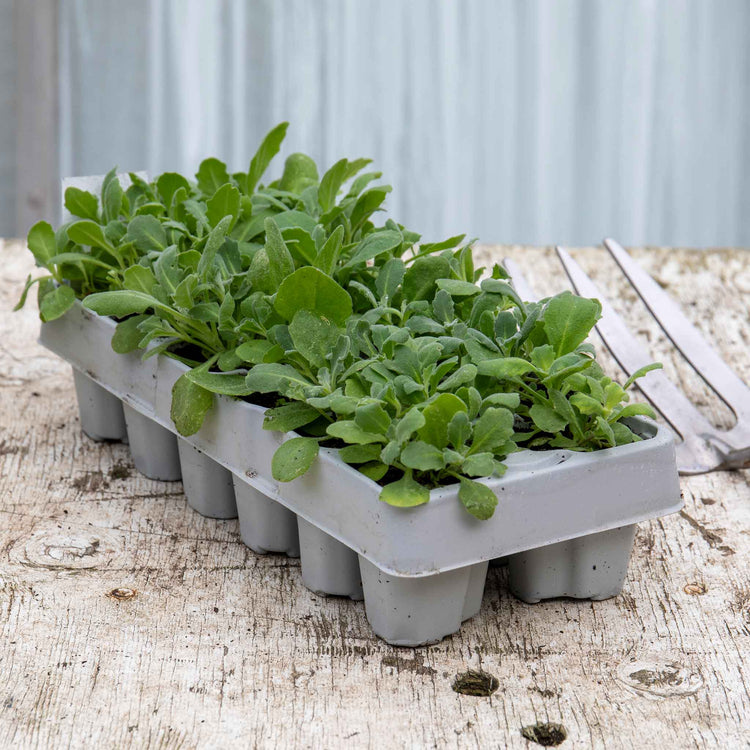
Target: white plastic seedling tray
(565,519)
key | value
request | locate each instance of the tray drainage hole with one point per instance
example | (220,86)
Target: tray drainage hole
(122,594)
(546,735)
(475,683)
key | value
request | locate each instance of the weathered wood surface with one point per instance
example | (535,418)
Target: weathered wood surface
(210,645)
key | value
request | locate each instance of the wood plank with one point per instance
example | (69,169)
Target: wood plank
(219,647)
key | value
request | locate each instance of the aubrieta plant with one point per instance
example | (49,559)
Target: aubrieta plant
(360,337)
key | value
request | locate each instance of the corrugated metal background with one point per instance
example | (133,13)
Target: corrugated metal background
(513,120)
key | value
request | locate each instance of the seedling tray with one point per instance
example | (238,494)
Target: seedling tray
(565,519)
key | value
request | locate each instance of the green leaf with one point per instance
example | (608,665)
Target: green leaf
(168,184)
(350,432)
(82,203)
(508,400)
(405,493)
(505,368)
(293,458)
(412,421)
(214,241)
(463,375)
(547,419)
(640,372)
(372,418)
(632,410)
(329,254)
(87,233)
(258,351)
(457,288)
(127,335)
(289,416)
(300,171)
(543,357)
(308,288)
(41,242)
(390,277)
(459,430)
(313,336)
(568,320)
(56,302)
(360,454)
(190,404)
(120,303)
(375,244)
(268,148)
(374,470)
(422,456)
(270,378)
(586,405)
(280,261)
(477,498)
(438,415)
(139,279)
(606,430)
(211,175)
(497,286)
(146,233)
(225,202)
(420,280)
(479,464)
(112,197)
(493,429)
(331,183)
(226,383)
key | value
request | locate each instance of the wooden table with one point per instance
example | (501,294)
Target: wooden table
(128,620)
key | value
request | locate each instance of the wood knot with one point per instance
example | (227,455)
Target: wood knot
(546,734)
(61,550)
(122,594)
(660,679)
(695,589)
(475,683)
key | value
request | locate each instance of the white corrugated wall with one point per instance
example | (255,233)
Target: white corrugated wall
(512,120)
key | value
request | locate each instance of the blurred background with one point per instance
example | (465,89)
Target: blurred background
(518,121)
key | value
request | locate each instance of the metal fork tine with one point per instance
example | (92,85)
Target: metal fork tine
(693,454)
(684,335)
(519,281)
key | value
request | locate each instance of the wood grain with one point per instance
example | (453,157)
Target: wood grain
(127,620)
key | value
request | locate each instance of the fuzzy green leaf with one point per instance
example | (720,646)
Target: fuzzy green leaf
(477,498)
(190,404)
(493,429)
(405,493)
(293,458)
(568,320)
(56,302)
(81,203)
(268,148)
(438,415)
(289,416)
(547,419)
(146,233)
(310,289)
(211,175)
(351,432)
(422,456)
(41,242)
(127,335)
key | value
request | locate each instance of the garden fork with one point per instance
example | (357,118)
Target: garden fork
(701,447)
